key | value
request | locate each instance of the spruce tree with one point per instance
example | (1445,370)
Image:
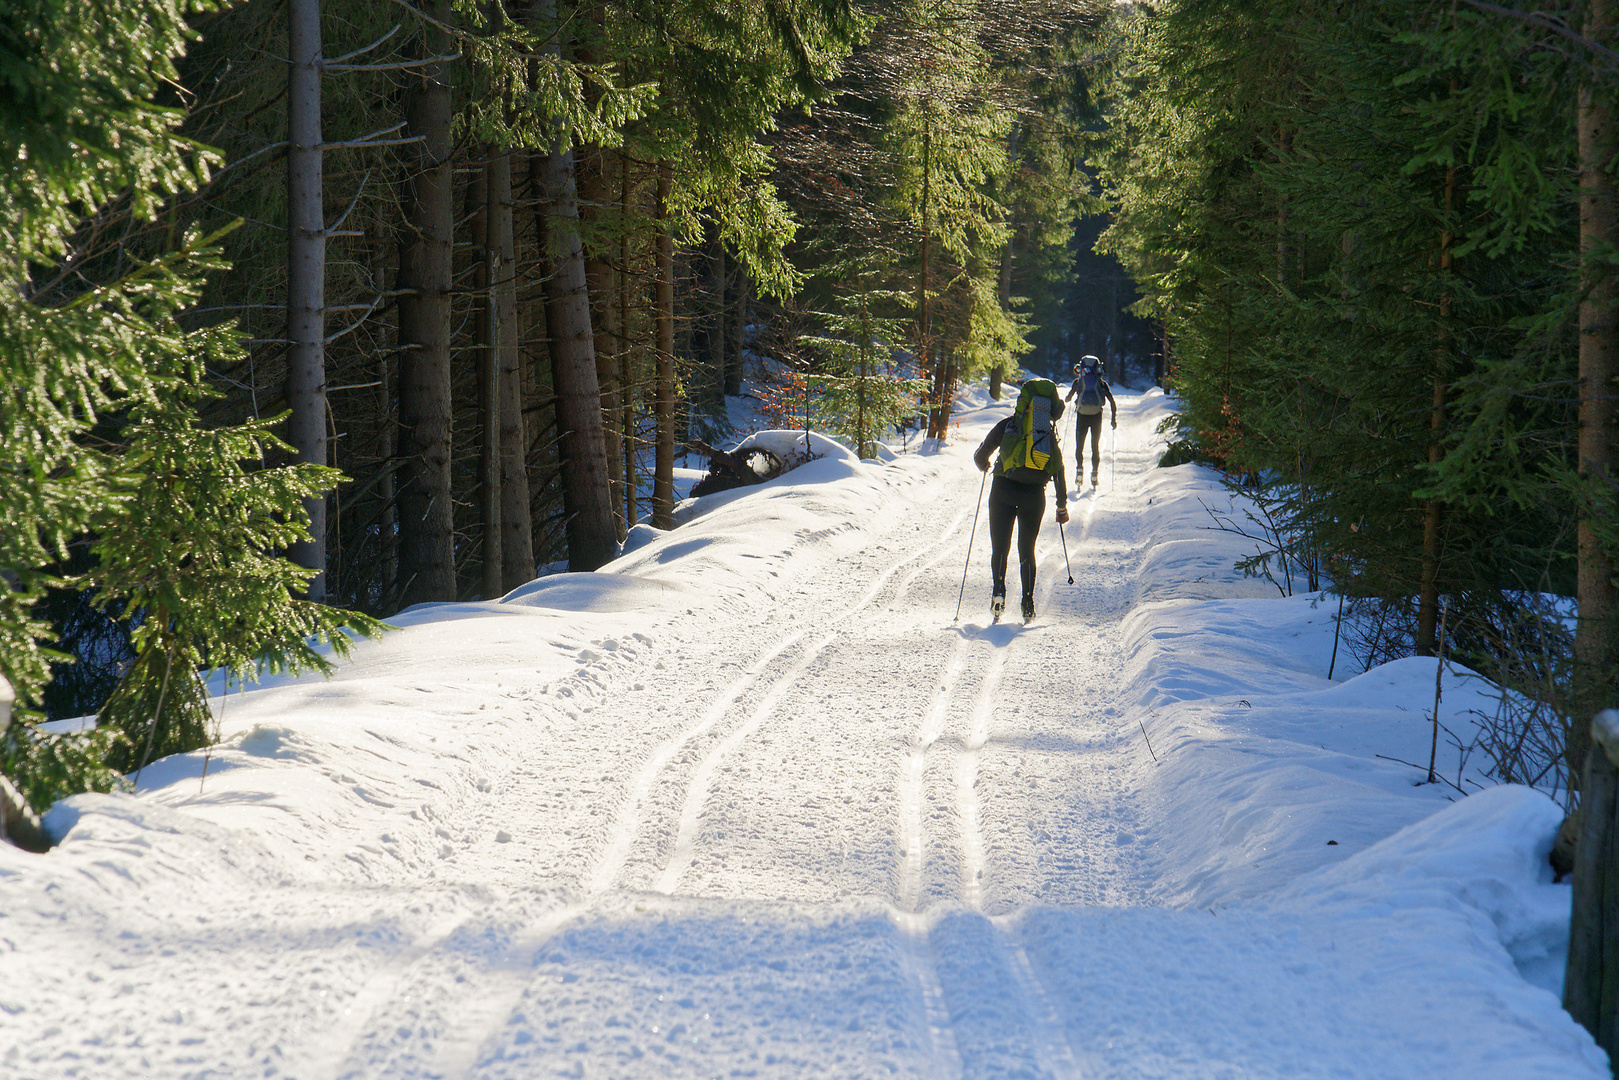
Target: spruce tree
(92,343)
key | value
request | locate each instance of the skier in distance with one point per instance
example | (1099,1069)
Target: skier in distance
(1092,390)
(1028,456)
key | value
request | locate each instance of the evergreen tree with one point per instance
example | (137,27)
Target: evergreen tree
(1361,239)
(861,391)
(96,344)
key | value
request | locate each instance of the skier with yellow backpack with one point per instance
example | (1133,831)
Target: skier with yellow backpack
(1028,459)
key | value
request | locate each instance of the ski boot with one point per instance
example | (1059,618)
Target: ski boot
(997,605)
(1028,610)
(1095,474)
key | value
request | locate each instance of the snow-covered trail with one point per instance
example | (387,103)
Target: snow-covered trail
(860,764)
(753,805)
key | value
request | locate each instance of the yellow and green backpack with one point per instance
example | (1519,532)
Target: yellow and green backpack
(1029,442)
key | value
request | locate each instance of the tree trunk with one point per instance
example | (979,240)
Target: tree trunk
(591,536)
(1433,514)
(863,343)
(534,352)
(592,539)
(626,374)
(486,334)
(663,406)
(739,331)
(924,367)
(306,274)
(997,374)
(599,280)
(516,528)
(426,522)
(596,192)
(719,325)
(542,232)
(388,448)
(1591,975)
(1596,645)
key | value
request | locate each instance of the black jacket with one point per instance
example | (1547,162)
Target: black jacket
(1032,477)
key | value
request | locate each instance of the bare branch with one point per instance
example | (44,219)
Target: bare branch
(1545,22)
(326,65)
(394,65)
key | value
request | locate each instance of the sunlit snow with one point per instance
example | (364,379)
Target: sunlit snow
(748,803)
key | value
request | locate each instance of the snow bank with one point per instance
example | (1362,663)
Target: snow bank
(831,463)
(1485,857)
(1262,761)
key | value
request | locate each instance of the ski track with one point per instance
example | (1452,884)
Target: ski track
(625,798)
(626,828)
(912,773)
(447,1042)
(1050,1045)
(904,586)
(968,810)
(697,792)
(330,1057)
(944,1053)
(420,1032)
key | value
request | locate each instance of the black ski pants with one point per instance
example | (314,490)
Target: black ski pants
(1093,425)
(1011,501)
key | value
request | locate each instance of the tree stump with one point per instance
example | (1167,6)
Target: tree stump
(17,821)
(1591,981)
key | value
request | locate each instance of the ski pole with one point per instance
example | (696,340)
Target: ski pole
(1065,561)
(976,507)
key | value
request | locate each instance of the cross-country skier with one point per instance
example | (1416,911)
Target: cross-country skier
(1092,390)
(1023,464)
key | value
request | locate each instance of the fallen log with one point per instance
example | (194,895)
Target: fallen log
(729,469)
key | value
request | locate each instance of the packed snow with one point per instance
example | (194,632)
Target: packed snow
(750,802)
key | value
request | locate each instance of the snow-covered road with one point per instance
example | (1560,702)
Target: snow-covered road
(752,804)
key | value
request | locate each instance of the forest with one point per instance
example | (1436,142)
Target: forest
(318,309)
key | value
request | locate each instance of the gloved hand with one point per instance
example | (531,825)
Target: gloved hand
(983,466)
(1115,421)
(1062,515)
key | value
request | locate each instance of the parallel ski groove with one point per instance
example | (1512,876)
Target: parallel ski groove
(946,1054)
(1051,1047)
(627,826)
(967,808)
(383,986)
(466,1028)
(910,579)
(691,813)
(911,788)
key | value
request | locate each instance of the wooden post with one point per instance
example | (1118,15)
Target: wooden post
(1591,981)
(17,821)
